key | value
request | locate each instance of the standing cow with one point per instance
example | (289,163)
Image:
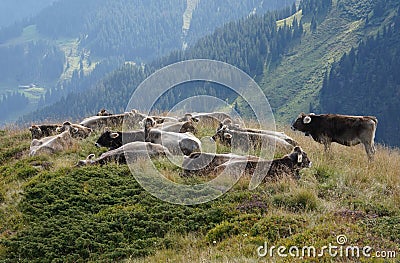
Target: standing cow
(343,129)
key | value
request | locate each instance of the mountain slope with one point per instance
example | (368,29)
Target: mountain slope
(51,210)
(12,11)
(366,81)
(293,85)
(94,37)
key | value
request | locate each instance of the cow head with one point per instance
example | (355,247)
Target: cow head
(302,123)
(109,139)
(87,161)
(188,126)
(67,126)
(299,158)
(35,131)
(189,117)
(104,112)
(223,135)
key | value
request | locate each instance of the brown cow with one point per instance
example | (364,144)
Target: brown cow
(44,130)
(204,163)
(289,165)
(343,129)
(131,151)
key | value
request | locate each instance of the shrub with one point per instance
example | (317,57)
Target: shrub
(275,227)
(300,200)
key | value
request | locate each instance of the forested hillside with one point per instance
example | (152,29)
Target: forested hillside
(290,59)
(246,43)
(366,80)
(13,11)
(79,42)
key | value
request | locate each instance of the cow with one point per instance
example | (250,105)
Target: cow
(180,127)
(176,143)
(44,130)
(131,119)
(55,143)
(81,132)
(289,165)
(114,140)
(206,119)
(103,112)
(204,163)
(163,119)
(281,135)
(342,129)
(128,152)
(247,141)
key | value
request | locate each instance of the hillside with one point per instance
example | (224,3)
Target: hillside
(53,211)
(366,80)
(13,11)
(293,85)
(285,54)
(70,45)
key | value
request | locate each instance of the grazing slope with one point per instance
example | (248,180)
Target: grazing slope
(53,211)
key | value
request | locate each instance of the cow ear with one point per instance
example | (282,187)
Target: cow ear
(299,158)
(195,119)
(307,120)
(228,136)
(114,135)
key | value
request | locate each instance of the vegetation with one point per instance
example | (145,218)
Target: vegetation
(53,211)
(82,41)
(364,74)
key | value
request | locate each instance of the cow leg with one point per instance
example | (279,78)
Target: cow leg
(370,149)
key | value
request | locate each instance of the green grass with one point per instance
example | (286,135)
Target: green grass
(51,210)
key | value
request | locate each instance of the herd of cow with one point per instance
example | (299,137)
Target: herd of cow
(157,136)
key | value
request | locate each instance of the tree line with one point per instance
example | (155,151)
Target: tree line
(248,44)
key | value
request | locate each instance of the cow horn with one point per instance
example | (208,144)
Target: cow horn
(307,120)
(114,135)
(75,130)
(58,129)
(90,156)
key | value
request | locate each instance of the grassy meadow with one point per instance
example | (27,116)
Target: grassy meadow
(53,211)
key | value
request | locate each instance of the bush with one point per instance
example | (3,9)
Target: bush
(275,227)
(222,231)
(300,200)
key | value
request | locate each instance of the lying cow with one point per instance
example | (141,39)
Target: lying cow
(342,129)
(55,143)
(44,130)
(130,151)
(80,131)
(289,165)
(207,119)
(247,141)
(114,140)
(180,127)
(176,143)
(204,163)
(131,119)
(104,112)
(236,127)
